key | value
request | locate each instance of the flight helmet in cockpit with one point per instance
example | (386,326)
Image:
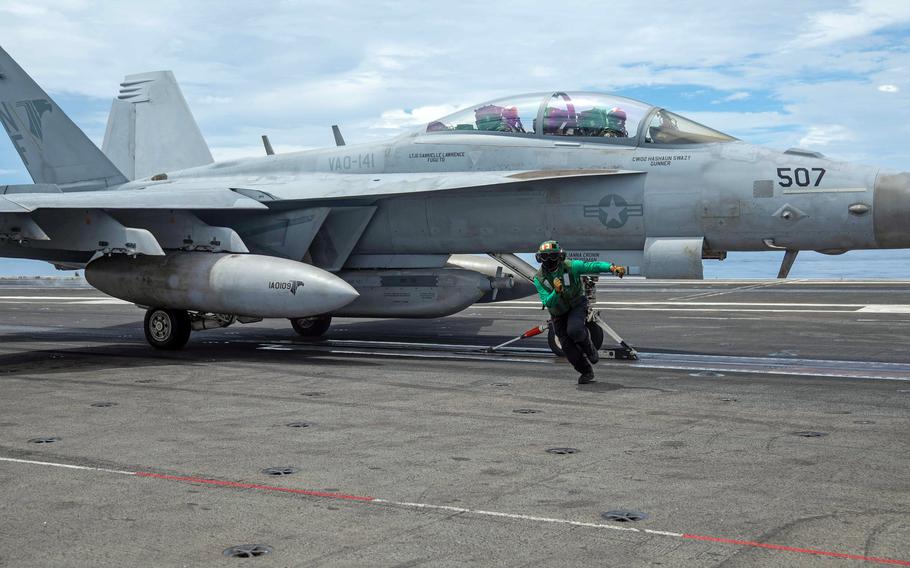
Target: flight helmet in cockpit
(616,123)
(609,118)
(495,118)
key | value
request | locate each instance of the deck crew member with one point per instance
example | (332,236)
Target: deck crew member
(561,290)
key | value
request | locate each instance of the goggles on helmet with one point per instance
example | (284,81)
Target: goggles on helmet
(549,256)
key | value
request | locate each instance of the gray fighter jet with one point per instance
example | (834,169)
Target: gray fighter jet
(374,230)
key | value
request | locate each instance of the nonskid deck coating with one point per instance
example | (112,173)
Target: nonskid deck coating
(710,454)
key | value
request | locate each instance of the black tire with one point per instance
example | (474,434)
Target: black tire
(597,334)
(311,327)
(167,329)
(597,337)
(553,342)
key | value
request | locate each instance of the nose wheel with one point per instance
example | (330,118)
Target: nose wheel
(167,329)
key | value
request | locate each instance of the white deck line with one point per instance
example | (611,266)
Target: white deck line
(66,466)
(517,517)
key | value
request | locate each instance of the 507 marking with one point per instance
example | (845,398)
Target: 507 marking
(800,176)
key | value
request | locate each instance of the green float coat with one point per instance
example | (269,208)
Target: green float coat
(573,292)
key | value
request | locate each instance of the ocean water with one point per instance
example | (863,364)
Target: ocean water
(854,265)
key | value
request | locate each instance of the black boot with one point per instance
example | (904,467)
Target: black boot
(586,378)
(589,350)
(592,354)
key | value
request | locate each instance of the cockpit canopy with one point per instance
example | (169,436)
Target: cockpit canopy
(596,117)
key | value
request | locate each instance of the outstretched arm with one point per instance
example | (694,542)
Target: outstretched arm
(580,267)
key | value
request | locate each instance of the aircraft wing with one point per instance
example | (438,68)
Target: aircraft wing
(48,224)
(7,206)
(160,197)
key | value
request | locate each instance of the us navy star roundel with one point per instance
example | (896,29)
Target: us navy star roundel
(613,211)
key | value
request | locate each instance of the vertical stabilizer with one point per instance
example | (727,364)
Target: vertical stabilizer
(151,130)
(53,149)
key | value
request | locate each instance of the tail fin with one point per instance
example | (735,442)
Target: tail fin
(151,130)
(53,149)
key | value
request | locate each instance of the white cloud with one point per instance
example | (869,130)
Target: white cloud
(865,17)
(351,91)
(825,135)
(379,68)
(737,96)
(888,88)
(220,153)
(19,9)
(741,123)
(210,100)
(872,125)
(400,118)
(544,72)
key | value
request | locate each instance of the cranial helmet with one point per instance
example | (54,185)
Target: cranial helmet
(549,255)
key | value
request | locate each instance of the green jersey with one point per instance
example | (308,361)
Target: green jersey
(570,272)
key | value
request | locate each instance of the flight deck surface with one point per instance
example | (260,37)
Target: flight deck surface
(766,423)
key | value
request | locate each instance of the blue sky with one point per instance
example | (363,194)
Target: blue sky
(829,76)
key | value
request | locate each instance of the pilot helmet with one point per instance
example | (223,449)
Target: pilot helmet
(617,113)
(549,255)
(616,119)
(511,119)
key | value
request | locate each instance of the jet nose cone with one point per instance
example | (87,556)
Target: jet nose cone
(339,293)
(891,210)
(329,292)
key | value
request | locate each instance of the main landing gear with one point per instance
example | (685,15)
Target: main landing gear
(167,329)
(311,327)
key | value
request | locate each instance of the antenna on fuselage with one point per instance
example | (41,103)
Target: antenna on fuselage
(339,139)
(268,146)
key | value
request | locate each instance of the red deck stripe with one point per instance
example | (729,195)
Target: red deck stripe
(753,544)
(800,550)
(255,486)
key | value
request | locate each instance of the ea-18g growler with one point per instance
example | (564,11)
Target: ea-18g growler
(386,229)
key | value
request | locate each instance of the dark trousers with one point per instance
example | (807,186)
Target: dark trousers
(573,335)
